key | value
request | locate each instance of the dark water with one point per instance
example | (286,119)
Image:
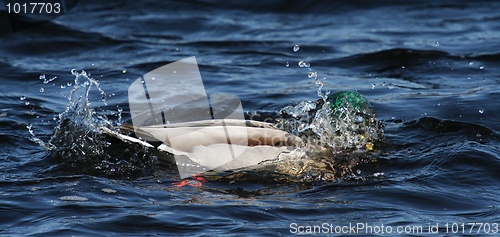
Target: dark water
(430,69)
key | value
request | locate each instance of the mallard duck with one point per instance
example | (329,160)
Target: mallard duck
(231,144)
(206,143)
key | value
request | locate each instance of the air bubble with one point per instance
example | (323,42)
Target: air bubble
(296,48)
(42,90)
(22,98)
(304,64)
(124,71)
(287,64)
(481,111)
(390,86)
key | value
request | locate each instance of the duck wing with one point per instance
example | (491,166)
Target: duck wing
(207,144)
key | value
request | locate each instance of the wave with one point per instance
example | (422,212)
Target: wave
(472,130)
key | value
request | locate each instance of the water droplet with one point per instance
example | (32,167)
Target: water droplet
(73,71)
(358,171)
(304,64)
(287,64)
(439,104)
(124,71)
(481,111)
(27,103)
(45,80)
(373,86)
(383,84)
(63,86)
(69,84)
(42,90)
(470,63)
(359,119)
(390,86)
(403,67)
(296,48)
(481,67)
(22,98)
(437,43)
(312,74)
(393,117)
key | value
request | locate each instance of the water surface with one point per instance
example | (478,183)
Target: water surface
(430,69)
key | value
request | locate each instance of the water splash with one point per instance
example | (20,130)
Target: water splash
(312,74)
(304,64)
(320,93)
(347,121)
(341,121)
(45,80)
(77,133)
(78,143)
